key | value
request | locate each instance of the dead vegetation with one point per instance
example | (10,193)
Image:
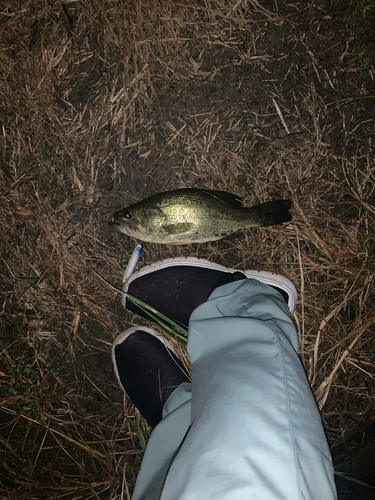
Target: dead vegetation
(104,103)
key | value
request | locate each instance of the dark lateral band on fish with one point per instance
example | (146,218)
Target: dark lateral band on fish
(185,216)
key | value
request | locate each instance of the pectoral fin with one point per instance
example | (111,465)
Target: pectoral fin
(178,228)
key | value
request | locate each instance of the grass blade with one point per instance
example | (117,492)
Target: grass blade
(347,476)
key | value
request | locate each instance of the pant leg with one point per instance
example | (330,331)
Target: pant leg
(255,429)
(163,443)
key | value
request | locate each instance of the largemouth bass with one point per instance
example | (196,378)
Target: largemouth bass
(194,216)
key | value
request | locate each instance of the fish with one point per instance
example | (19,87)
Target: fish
(184,216)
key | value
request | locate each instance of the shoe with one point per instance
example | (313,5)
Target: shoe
(176,286)
(147,369)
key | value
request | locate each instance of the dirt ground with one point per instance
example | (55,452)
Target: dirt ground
(103,103)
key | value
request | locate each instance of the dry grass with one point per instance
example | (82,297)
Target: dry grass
(104,103)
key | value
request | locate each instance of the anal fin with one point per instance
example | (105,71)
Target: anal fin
(233,236)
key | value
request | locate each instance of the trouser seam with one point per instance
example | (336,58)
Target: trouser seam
(277,332)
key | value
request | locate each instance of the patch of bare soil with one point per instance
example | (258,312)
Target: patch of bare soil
(104,103)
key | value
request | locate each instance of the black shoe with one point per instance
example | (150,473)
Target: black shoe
(175,287)
(147,370)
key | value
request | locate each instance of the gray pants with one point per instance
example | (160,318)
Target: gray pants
(247,427)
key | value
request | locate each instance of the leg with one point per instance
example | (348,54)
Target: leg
(148,371)
(255,429)
(161,448)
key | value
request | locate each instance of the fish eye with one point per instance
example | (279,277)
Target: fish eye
(128,214)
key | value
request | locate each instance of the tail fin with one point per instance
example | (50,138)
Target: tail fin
(273,212)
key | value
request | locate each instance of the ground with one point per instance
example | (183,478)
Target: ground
(104,103)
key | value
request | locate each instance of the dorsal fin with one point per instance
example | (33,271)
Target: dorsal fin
(228,198)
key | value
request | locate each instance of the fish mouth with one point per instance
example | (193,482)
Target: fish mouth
(116,226)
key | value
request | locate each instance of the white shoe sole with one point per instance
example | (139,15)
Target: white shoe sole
(264,276)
